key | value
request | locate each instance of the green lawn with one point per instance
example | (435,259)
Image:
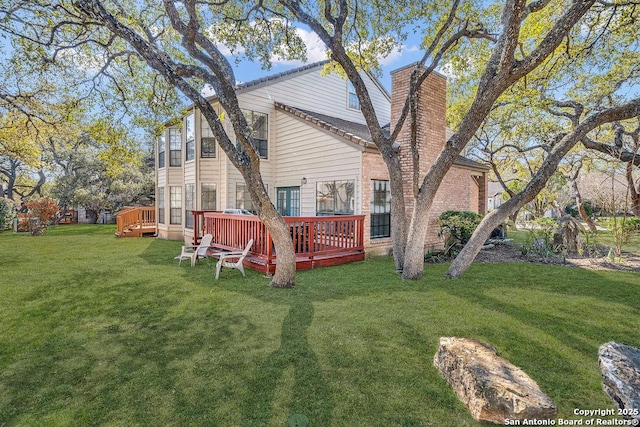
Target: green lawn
(104,331)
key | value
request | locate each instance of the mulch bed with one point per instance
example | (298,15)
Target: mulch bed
(508,252)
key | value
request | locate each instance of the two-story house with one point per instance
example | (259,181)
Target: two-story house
(317,155)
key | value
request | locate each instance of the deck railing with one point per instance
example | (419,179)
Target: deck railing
(312,237)
(136,218)
(198,225)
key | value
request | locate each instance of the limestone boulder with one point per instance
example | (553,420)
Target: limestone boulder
(491,387)
(620,368)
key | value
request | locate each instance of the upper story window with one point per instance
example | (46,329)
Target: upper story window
(207,140)
(258,123)
(189,128)
(175,147)
(161,150)
(335,197)
(352,98)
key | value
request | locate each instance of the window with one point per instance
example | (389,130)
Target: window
(175,201)
(380,209)
(175,147)
(189,204)
(243,200)
(335,197)
(352,98)
(207,141)
(190,145)
(161,205)
(208,196)
(161,152)
(259,130)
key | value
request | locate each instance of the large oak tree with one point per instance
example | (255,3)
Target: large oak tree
(120,42)
(516,38)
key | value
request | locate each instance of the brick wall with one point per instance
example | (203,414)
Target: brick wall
(458,191)
(373,167)
(430,123)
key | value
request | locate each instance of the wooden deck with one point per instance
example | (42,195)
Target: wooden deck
(136,221)
(318,241)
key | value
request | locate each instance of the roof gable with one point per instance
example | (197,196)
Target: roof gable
(356,132)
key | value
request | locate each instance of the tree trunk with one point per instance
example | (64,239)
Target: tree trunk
(514,217)
(245,159)
(492,220)
(414,254)
(583,213)
(285,274)
(94,216)
(633,192)
(11,175)
(464,259)
(398,216)
(63,213)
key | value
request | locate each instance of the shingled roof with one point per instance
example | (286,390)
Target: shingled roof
(277,76)
(357,133)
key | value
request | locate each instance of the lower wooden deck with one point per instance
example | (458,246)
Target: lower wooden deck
(304,263)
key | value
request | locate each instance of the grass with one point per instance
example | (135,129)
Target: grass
(104,331)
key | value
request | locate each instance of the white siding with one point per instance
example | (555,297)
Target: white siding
(161,179)
(305,151)
(325,94)
(297,148)
(190,172)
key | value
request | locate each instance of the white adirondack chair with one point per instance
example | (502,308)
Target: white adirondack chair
(196,252)
(232,259)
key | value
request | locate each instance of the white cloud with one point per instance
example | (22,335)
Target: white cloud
(207,91)
(316,50)
(226,51)
(398,53)
(448,70)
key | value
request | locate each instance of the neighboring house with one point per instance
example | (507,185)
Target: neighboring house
(495,195)
(318,156)
(84,216)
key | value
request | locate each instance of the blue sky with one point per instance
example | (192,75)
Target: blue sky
(316,51)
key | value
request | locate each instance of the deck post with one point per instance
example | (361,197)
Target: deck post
(312,240)
(196,227)
(269,248)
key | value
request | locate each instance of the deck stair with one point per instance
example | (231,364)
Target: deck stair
(136,221)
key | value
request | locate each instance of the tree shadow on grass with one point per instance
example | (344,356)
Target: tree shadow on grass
(293,369)
(310,395)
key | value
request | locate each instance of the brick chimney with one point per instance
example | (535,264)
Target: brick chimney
(431,123)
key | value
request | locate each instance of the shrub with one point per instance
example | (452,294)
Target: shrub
(41,213)
(622,228)
(572,209)
(543,229)
(457,227)
(8,212)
